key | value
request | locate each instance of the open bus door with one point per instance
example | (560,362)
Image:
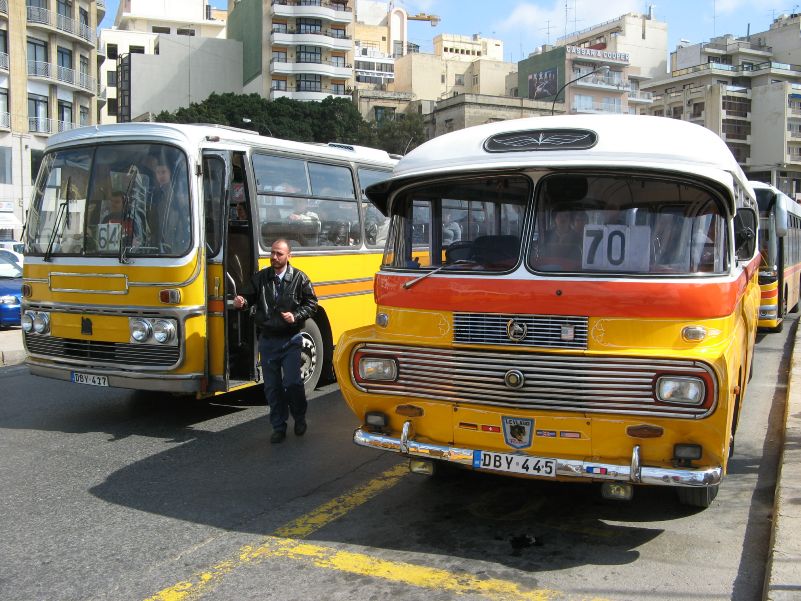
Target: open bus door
(231,261)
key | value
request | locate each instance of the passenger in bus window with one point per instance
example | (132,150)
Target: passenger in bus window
(451,230)
(563,241)
(302,212)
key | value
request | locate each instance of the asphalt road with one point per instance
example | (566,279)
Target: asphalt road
(111,494)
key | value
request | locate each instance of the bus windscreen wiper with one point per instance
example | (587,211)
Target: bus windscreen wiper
(63,208)
(125,243)
(411,283)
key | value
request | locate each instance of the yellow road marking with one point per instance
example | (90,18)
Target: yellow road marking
(284,543)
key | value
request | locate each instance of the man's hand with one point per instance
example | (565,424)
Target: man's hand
(288,316)
(239,302)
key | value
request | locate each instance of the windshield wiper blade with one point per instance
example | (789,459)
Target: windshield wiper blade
(63,208)
(411,283)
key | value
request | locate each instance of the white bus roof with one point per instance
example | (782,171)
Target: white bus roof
(571,141)
(194,135)
(784,201)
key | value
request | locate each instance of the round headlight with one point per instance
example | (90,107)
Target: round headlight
(163,331)
(26,321)
(140,330)
(41,323)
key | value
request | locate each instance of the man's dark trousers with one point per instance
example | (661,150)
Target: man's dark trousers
(283,385)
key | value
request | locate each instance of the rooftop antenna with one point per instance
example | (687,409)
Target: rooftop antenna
(547,30)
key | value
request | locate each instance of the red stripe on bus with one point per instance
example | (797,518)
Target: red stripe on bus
(677,300)
(770,293)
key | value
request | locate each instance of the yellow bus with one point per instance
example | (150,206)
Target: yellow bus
(140,235)
(780,247)
(572,298)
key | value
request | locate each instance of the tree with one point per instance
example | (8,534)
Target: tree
(401,134)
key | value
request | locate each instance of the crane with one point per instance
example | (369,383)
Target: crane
(433,19)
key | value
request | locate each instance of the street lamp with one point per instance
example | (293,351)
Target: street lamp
(603,69)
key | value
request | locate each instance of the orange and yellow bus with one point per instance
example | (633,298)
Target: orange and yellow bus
(140,235)
(780,247)
(572,298)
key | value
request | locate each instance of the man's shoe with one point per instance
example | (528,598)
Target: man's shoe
(300,428)
(277,436)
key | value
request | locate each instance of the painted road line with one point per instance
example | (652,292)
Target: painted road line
(302,526)
(284,544)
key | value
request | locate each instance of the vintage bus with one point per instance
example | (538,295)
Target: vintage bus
(140,235)
(592,319)
(780,246)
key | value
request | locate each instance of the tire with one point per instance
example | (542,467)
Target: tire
(312,355)
(701,496)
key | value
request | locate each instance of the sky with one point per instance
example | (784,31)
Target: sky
(524,25)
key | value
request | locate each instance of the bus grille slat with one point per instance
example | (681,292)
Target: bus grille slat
(546,331)
(109,353)
(567,383)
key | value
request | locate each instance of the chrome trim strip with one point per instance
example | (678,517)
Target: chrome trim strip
(345,294)
(635,468)
(129,311)
(569,468)
(105,276)
(186,282)
(336,282)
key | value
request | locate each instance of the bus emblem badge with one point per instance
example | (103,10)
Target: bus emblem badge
(516,330)
(86,326)
(517,431)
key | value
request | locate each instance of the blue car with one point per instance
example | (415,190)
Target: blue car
(10,292)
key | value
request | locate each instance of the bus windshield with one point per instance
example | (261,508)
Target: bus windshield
(112,199)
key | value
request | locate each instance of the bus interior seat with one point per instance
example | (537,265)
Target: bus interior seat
(304,233)
(336,232)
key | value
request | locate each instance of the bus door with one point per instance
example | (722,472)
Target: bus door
(229,252)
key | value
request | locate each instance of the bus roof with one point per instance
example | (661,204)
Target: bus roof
(786,203)
(195,134)
(571,141)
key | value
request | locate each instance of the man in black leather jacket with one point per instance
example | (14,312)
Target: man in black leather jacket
(284,299)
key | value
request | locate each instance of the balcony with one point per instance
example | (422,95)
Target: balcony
(323,39)
(63,75)
(40,125)
(324,68)
(597,82)
(3,61)
(66,125)
(309,93)
(41,17)
(4,7)
(640,97)
(596,108)
(313,9)
(735,114)
(5,120)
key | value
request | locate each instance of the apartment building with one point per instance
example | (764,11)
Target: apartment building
(299,49)
(48,83)
(748,91)
(137,27)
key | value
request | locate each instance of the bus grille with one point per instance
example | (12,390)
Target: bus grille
(548,331)
(95,351)
(556,382)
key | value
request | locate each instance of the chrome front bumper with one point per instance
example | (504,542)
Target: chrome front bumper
(570,468)
(184,383)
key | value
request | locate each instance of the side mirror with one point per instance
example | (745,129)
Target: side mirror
(746,225)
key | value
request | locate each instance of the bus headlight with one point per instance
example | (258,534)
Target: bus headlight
(680,390)
(41,322)
(163,331)
(140,330)
(26,321)
(378,368)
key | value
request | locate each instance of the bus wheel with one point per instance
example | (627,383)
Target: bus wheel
(701,496)
(311,365)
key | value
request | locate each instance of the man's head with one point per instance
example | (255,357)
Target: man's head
(279,254)
(162,174)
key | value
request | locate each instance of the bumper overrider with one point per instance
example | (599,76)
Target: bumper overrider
(635,472)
